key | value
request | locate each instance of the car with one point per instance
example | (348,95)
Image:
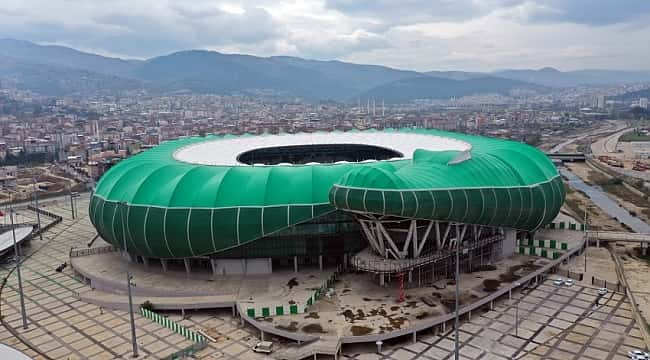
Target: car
(568,282)
(558,282)
(602,291)
(638,355)
(265,347)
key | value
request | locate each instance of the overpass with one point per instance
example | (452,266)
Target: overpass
(598,236)
(568,157)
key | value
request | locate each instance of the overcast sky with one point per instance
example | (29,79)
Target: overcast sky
(409,34)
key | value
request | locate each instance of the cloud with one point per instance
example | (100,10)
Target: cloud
(588,12)
(411,34)
(140,28)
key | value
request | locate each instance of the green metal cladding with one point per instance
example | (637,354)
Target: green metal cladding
(165,208)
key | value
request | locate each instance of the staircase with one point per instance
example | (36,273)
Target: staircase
(322,346)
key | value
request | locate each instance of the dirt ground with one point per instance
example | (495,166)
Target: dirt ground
(576,202)
(599,264)
(362,307)
(636,272)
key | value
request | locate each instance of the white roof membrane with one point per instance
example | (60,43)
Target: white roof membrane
(226,151)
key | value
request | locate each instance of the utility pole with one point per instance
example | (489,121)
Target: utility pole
(20,280)
(128,284)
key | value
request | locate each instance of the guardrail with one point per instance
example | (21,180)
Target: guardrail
(57,219)
(92,251)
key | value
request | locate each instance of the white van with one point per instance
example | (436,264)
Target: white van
(265,347)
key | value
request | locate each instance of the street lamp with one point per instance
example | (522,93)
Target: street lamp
(517,313)
(459,239)
(38,214)
(17,259)
(128,283)
(586,235)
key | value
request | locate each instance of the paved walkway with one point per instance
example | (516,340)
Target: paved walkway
(554,323)
(60,326)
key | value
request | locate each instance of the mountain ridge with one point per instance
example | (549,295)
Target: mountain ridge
(203,71)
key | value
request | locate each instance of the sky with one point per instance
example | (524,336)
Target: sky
(470,35)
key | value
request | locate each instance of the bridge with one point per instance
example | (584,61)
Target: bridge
(568,157)
(598,236)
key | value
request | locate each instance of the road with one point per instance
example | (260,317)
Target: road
(607,146)
(596,132)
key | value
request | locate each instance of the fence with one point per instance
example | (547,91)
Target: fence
(380,265)
(611,285)
(615,286)
(188,352)
(570,274)
(295,307)
(57,219)
(172,325)
(562,225)
(544,243)
(92,251)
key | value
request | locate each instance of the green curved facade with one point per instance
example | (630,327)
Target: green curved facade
(165,208)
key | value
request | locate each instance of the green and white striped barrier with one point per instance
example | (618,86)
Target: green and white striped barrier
(173,326)
(544,243)
(542,252)
(299,307)
(562,225)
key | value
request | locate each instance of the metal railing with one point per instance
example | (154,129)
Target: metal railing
(92,251)
(57,219)
(313,348)
(386,266)
(617,236)
(463,310)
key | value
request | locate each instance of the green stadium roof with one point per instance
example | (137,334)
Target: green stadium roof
(177,201)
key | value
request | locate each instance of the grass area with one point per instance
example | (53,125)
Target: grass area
(622,192)
(598,178)
(634,136)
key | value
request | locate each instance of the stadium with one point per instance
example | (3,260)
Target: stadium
(380,201)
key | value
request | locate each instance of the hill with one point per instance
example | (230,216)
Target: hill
(52,80)
(58,70)
(556,78)
(430,87)
(62,56)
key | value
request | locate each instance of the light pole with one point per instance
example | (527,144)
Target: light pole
(456,321)
(586,234)
(71,203)
(128,283)
(517,314)
(20,281)
(38,214)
